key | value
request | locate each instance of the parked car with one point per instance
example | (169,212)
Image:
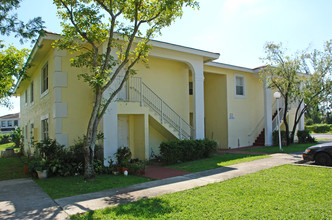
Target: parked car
(321,154)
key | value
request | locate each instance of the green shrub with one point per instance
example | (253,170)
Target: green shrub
(319,128)
(123,157)
(18,138)
(186,150)
(61,161)
(305,137)
(309,121)
(275,138)
(5,139)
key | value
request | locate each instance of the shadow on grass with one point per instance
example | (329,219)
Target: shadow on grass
(144,208)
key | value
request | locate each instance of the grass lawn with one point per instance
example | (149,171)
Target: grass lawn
(4,146)
(12,168)
(285,192)
(287,149)
(215,162)
(59,187)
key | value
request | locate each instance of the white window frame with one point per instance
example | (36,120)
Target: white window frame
(42,132)
(32,98)
(26,132)
(26,97)
(32,126)
(42,81)
(10,123)
(244,86)
(3,124)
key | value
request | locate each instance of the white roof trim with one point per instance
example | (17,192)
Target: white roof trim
(184,49)
(232,67)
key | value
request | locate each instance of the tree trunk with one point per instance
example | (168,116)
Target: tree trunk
(285,120)
(90,139)
(89,146)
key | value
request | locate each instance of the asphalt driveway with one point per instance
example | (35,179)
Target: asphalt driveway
(327,137)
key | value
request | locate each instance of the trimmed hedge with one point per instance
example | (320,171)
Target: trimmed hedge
(319,128)
(305,137)
(172,152)
(275,138)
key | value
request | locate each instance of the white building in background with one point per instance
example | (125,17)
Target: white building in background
(9,123)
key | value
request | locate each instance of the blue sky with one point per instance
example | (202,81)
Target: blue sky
(237,29)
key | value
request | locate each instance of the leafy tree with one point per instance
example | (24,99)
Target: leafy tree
(124,27)
(11,68)
(9,22)
(303,80)
(11,59)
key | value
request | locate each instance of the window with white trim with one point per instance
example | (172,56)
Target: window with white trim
(44,128)
(31,93)
(3,124)
(44,79)
(31,131)
(26,132)
(240,87)
(10,123)
(26,96)
(191,88)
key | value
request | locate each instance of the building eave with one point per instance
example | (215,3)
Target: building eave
(46,36)
(233,67)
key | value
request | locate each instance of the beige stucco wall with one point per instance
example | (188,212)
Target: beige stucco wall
(170,81)
(42,105)
(244,113)
(79,98)
(215,96)
(235,118)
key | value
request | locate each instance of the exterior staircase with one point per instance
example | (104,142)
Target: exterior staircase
(260,140)
(137,91)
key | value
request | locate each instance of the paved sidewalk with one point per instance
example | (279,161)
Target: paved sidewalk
(24,199)
(92,201)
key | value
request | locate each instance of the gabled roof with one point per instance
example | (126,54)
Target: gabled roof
(49,37)
(10,116)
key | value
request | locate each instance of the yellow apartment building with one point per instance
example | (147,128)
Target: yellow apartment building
(183,94)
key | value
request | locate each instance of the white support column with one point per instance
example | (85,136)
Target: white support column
(268,114)
(198,82)
(301,126)
(110,129)
(59,107)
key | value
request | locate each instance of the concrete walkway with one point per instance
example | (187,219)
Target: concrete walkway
(24,199)
(108,198)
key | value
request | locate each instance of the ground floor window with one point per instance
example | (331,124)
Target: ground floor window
(44,128)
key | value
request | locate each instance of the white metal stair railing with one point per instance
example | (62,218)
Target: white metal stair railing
(138,91)
(256,131)
(281,115)
(260,125)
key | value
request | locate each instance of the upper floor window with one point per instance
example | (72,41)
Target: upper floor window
(3,124)
(31,92)
(44,79)
(240,87)
(191,90)
(26,96)
(10,123)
